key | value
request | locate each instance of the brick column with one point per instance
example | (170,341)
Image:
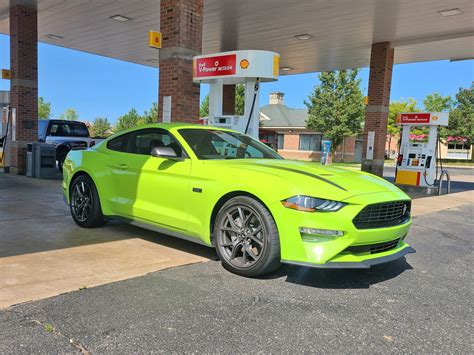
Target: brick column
(24,82)
(228,100)
(181,27)
(376,114)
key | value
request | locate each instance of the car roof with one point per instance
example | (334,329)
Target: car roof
(61,121)
(179,125)
(173,126)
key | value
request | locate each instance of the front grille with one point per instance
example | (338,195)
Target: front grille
(382,215)
(373,248)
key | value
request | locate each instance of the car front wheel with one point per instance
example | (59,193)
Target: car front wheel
(246,237)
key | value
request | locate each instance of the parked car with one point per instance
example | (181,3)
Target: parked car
(225,189)
(65,136)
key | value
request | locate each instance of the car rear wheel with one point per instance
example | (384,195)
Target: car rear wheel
(246,237)
(85,205)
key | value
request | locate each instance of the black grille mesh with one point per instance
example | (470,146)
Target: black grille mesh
(381,215)
(373,248)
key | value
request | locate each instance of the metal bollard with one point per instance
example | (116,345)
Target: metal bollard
(448,179)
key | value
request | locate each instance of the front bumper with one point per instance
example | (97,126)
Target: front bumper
(333,252)
(363,264)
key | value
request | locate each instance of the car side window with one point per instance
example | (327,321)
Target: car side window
(143,141)
(119,144)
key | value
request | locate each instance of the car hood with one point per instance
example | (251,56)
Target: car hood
(314,179)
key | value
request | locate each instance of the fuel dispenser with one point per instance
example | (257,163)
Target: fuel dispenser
(417,162)
(247,67)
(7,129)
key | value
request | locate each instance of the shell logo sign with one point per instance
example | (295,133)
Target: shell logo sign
(236,66)
(244,63)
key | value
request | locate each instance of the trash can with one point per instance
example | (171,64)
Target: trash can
(44,161)
(30,160)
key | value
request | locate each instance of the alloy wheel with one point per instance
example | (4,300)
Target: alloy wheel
(81,200)
(241,236)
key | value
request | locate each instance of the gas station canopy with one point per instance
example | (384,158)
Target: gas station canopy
(310,35)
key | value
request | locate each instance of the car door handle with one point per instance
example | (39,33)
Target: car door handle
(122,166)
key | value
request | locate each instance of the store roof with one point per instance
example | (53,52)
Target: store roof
(281,116)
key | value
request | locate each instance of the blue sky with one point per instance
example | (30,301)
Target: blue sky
(99,86)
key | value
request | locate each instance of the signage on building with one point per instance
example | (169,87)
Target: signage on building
(220,65)
(369,154)
(154,39)
(166,109)
(6,74)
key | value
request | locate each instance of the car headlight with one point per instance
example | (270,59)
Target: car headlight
(312,204)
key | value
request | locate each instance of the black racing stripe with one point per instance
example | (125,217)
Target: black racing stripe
(307,174)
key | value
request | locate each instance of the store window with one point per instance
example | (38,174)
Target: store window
(457,146)
(310,142)
(281,140)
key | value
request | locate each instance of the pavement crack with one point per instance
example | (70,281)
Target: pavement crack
(52,329)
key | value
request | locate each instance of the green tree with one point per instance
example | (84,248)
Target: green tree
(336,106)
(150,116)
(395,108)
(129,120)
(44,109)
(240,99)
(69,114)
(437,103)
(239,102)
(461,117)
(204,109)
(100,127)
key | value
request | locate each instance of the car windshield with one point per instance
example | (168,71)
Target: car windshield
(69,129)
(216,144)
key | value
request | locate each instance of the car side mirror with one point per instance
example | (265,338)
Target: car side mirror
(166,153)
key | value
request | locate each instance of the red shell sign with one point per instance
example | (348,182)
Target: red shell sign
(215,66)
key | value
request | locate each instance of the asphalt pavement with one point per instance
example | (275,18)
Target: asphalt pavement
(419,304)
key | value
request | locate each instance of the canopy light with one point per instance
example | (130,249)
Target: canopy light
(120,18)
(312,204)
(304,36)
(152,60)
(460,59)
(286,68)
(53,37)
(450,12)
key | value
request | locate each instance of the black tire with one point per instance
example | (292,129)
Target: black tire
(85,204)
(61,159)
(251,248)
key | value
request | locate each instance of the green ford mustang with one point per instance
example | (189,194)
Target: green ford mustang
(225,189)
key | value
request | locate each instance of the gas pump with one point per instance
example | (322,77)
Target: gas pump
(6,129)
(248,67)
(417,162)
